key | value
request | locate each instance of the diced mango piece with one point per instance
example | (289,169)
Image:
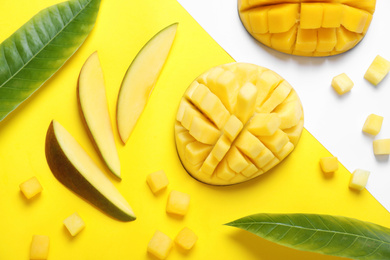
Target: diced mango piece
(345,39)
(264,38)
(197,152)
(232,127)
(246,102)
(39,249)
(199,94)
(332,15)
(186,238)
(373,124)
(282,17)
(213,108)
(160,245)
(221,147)
(327,39)
(74,224)
(306,40)
(204,131)
(226,88)
(258,19)
(276,141)
(184,138)
(342,83)
(284,41)
(378,70)
(191,89)
(178,203)
(381,146)
(266,83)
(249,144)
(354,19)
(157,181)
(271,164)
(286,150)
(263,158)
(209,165)
(329,164)
(250,170)
(294,132)
(236,160)
(31,187)
(280,93)
(289,113)
(264,124)
(224,172)
(190,112)
(184,103)
(212,77)
(311,15)
(359,179)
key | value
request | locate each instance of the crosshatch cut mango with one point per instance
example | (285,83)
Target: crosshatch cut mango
(307,27)
(235,122)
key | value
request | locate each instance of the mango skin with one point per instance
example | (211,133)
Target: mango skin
(316,29)
(64,171)
(256,119)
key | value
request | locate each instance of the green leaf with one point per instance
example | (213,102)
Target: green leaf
(33,53)
(326,234)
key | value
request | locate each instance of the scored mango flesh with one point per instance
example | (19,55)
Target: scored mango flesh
(307,28)
(236,121)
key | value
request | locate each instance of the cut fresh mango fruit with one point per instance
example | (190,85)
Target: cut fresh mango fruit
(373,124)
(254,121)
(297,27)
(378,70)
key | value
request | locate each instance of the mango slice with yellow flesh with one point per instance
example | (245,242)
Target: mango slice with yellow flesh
(297,26)
(235,122)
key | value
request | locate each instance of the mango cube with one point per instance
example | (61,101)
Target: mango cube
(233,127)
(246,102)
(204,131)
(342,84)
(178,203)
(377,71)
(157,181)
(160,245)
(31,187)
(249,144)
(332,15)
(186,238)
(282,17)
(311,15)
(39,249)
(359,179)
(74,223)
(373,124)
(264,124)
(329,164)
(381,146)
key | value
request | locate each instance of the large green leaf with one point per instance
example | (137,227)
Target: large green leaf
(40,47)
(326,234)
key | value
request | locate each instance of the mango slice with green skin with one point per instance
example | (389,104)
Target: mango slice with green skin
(307,28)
(235,122)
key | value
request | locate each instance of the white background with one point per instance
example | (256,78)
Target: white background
(336,121)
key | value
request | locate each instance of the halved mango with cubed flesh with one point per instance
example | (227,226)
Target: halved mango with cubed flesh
(296,27)
(251,121)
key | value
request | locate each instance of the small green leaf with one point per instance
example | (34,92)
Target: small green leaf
(33,53)
(326,234)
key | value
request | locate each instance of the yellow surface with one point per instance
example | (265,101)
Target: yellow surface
(296,185)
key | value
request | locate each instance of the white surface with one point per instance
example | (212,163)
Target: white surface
(336,121)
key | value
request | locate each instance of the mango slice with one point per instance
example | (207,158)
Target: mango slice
(297,26)
(252,120)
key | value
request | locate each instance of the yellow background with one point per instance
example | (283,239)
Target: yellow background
(295,186)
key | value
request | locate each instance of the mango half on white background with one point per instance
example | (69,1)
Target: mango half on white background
(235,122)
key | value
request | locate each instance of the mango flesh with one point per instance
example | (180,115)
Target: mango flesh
(307,28)
(247,120)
